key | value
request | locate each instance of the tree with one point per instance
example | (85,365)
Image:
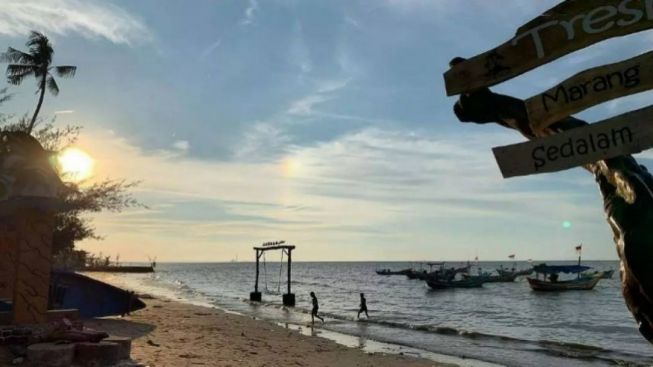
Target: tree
(71,225)
(36,62)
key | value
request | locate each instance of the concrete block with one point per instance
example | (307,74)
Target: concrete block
(97,354)
(51,355)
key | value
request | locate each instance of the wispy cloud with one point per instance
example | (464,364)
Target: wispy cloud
(210,49)
(181,145)
(250,13)
(304,106)
(323,92)
(361,187)
(90,19)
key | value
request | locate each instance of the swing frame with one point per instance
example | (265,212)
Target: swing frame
(289,297)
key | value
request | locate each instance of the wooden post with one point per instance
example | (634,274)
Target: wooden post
(289,265)
(256,295)
(256,283)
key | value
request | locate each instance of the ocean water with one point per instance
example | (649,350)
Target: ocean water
(502,323)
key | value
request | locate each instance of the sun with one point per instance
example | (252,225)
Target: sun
(75,164)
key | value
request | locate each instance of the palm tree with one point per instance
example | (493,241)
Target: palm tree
(36,62)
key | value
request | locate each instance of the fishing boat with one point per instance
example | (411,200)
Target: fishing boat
(423,274)
(510,272)
(491,278)
(391,272)
(607,274)
(91,297)
(436,283)
(550,282)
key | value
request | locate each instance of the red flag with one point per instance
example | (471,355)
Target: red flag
(511,256)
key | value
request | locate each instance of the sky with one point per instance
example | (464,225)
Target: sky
(320,122)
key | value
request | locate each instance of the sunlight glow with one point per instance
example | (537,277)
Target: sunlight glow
(75,164)
(290,167)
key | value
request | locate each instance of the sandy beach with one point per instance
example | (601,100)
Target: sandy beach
(170,333)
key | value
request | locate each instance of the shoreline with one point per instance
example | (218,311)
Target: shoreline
(182,332)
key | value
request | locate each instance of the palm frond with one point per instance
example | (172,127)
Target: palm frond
(4,96)
(17,79)
(13,55)
(66,71)
(20,69)
(52,86)
(36,38)
(40,48)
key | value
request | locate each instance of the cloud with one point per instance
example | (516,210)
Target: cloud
(263,141)
(371,186)
(323,92)
(64,112)
(304,106)
(182,145)
(250,13)
(90,19)
(210,48)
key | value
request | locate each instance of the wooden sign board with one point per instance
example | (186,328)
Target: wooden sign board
(567,27)
(590,88)
(628,133)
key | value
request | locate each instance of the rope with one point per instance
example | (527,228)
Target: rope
(280,272)
(265,271)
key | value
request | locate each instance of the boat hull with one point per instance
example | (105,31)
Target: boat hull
(119,269)
(91,297)
(390,272)
(468,283)
(582,284)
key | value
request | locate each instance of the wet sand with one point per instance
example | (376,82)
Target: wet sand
(170,333)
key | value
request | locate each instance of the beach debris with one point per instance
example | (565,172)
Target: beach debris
(151,343)
(65,330)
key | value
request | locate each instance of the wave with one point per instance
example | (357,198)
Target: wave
(549,347)
(554,348)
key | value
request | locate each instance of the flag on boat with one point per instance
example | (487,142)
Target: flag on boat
(579,248)
(511,256)
(476,258)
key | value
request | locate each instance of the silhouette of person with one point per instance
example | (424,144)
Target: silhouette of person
(363,307)
(315,309)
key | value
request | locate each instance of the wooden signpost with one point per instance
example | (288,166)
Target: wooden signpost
(625,185)
(590,88)
(628,133)
(567,27)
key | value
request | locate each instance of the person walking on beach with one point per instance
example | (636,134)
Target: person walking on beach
(315,308)
(363,307)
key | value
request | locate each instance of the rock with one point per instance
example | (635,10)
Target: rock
(97,354)
(51,355)
(18,360)
(124,343)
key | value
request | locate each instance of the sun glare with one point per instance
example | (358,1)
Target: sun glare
(75,164)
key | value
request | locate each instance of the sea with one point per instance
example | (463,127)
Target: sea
(505,324)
